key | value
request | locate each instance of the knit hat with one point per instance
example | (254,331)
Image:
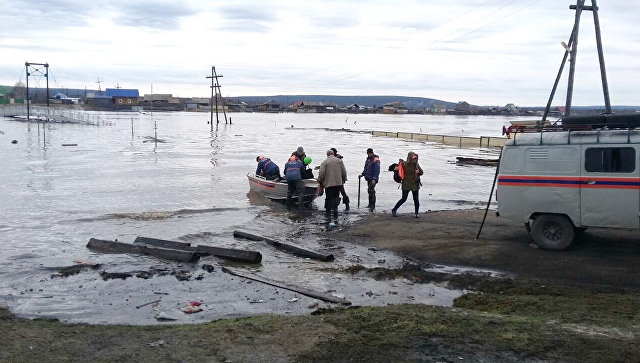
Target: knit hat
(334,151)
(300,150)
(369,150)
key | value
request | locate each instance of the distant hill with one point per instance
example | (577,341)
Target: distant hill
(370,101)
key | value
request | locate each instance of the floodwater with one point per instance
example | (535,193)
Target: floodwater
(117,184)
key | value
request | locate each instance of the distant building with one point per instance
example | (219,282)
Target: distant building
(463,108)
(123,96)
(270,106)
(438,109)
(3,99)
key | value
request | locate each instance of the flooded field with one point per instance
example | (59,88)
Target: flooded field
(192,187)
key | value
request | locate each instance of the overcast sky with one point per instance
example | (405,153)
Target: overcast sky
(485,52)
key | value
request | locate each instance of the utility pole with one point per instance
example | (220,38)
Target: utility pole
(571,51)
(33,69)
(215,93)
(99,87)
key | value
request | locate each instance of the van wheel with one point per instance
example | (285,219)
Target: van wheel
(553,232)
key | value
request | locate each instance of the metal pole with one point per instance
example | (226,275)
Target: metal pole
(574,52)
(46,75)
(603,72)
(26,66)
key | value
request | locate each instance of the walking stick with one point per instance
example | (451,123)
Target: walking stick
(490,195)
(359,180)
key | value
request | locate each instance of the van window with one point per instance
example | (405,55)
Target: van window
(610,160)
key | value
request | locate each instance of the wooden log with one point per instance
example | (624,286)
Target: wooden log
(120,247)
(286,247)
(164,243)
(287,286)
(476,161)
(204,250)
(230,253)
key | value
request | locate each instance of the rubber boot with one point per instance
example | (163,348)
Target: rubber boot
(373,202)
(346,202)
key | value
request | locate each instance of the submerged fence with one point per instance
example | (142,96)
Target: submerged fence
(51,114)
(459,141)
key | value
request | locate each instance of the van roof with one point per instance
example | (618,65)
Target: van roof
(576,137)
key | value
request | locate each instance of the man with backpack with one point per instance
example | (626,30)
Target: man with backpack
(371,173)
(293,174)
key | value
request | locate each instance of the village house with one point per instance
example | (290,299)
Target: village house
(123,96)
(270,106)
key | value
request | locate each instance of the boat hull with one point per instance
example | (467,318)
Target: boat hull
(277,191)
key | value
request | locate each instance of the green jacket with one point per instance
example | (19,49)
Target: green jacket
(412,173)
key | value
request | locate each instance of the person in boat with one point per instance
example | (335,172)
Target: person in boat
(371,174)
(410,172)
(331,177)
(267,168)
(345,198)
(293,174)
(307,173)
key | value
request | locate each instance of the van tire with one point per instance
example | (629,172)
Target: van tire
(553,232)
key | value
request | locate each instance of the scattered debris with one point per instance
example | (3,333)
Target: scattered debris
(114,275)
(119,247)
(203,250)
(293,300)
(257,301)
(286,247)
(162,316)
(313,305)
(69,144)
(149,303)
(158,343)
(476,161)
(287,286)
(208,268)
(192,307)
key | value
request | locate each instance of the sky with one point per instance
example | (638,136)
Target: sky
(485,52)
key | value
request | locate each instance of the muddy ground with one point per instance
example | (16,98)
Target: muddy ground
(580,305)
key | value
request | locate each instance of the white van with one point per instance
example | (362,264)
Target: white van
(560,183)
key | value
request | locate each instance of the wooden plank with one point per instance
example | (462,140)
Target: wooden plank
(287,286)
(230,253)
(120,247)
(286,247)
(164,243)
(204,250)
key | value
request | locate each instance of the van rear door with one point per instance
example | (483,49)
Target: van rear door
(610,186)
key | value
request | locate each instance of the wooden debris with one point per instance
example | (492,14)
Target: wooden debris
(476,161)
(120,247)
(204,250)
(287,286)
(286,247)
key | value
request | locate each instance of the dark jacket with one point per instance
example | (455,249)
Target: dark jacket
(293,170)
(371,168)
(267,168)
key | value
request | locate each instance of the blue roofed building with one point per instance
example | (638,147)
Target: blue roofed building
(123,96)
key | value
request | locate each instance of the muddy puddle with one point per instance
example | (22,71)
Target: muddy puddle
(134,289)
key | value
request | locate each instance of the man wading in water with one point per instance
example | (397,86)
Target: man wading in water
(332,177)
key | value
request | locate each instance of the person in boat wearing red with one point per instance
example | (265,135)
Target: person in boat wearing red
(331,177)
(345,197)
(410,172)
(267,168)
(293,174)
(371,173)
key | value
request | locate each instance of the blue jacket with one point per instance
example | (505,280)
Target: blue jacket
(293,170)
(371,168)
(266,167)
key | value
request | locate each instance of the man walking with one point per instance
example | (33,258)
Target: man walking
(332,177)
(345,197)
(371,173)
(292,172)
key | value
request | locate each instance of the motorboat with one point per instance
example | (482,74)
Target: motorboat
(277,190)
